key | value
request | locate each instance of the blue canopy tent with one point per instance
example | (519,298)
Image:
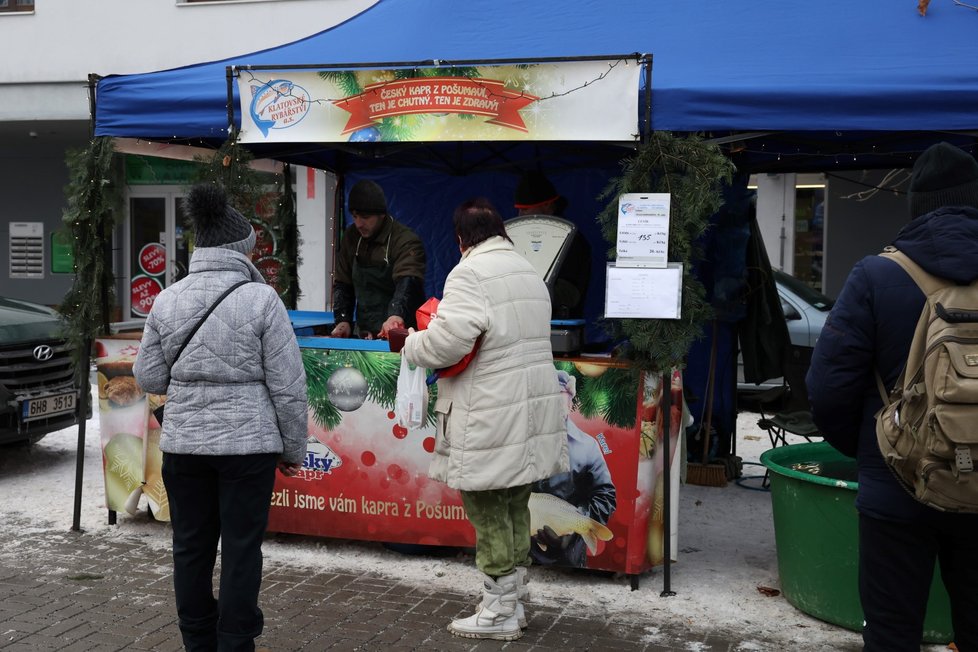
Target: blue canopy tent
(843,79)
(782,86)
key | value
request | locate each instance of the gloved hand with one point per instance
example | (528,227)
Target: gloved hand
(548,547)
(550,541)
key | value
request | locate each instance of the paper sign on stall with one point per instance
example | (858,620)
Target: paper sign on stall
(643,292)
(643,229)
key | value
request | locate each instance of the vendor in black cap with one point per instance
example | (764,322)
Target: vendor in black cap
(536,195)
(379,269)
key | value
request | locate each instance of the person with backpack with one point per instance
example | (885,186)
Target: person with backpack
(863,349)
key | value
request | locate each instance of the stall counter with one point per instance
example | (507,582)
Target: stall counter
(365,476)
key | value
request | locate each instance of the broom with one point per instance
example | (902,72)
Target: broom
(702,473)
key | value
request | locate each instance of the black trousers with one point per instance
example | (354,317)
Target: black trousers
(213,497)
(896,566)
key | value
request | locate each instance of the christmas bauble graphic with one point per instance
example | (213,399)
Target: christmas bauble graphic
(347,389)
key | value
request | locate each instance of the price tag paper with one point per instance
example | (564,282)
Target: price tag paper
(643,292)
(643,229)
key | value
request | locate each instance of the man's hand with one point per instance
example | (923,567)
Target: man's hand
(288,469)
(553,543)
(342,329)
(394,321)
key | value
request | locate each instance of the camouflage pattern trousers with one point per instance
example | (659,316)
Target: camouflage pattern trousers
(501,518)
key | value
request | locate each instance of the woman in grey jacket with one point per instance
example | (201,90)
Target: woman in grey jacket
(501,420)
(235,410)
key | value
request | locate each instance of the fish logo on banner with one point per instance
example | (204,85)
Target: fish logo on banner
(320,457)
(278,104)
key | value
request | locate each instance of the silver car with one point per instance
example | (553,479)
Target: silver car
(805,311)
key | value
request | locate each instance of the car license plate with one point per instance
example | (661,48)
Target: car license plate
(45,406)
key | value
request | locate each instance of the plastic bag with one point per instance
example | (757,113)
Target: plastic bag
(411,401)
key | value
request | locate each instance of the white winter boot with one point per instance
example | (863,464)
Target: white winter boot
(523,593)
(494,617)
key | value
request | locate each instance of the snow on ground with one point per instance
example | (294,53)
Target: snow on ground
(726,548)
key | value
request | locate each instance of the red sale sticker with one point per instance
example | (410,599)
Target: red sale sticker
(152,259)
(143,292)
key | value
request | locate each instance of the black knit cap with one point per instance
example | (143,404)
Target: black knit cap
(943,175)
(216,222)
(367,197)
(534,188)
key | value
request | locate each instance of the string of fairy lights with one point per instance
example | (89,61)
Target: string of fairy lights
(450,70)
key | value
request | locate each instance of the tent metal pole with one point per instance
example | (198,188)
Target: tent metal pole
(666,412)
(646,134)
(82,410)
(82,374)
(440,63)
(230,75)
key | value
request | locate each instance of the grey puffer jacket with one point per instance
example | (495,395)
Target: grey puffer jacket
(239,387)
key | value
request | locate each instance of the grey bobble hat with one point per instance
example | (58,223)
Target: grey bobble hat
(367,197)
(216,222)
(944,175)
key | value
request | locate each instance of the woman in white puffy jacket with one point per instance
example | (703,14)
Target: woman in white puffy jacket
(501,420)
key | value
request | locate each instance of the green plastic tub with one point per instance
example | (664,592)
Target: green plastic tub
(816,526)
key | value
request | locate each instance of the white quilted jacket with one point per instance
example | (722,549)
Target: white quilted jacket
(501,421)
(239,387)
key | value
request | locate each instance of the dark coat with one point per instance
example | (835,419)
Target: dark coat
(870,328)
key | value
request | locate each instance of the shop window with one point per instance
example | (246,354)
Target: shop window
(159,247)
(809,229)
(17,5)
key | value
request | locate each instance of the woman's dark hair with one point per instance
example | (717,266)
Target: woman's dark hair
(477,220)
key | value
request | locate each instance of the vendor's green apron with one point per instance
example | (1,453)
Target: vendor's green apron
(374,285)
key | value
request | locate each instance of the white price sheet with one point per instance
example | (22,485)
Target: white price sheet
(643,229)
(644,292)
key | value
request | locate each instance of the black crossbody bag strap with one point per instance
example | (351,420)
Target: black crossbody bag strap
(204,318)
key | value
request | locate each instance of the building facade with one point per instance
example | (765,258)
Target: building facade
(53,46)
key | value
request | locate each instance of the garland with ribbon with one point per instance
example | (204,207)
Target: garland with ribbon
(94,197)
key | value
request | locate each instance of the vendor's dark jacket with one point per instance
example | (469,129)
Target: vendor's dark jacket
(870,328)
(407,260)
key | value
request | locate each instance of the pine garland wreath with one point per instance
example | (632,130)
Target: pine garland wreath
(693,172)
(230,168)
(94,196)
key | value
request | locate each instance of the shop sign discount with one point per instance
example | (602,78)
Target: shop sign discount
(152,259)
(143,292)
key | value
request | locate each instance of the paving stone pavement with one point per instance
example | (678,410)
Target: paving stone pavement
(68,591)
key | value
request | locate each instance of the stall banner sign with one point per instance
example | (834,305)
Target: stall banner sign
(365,477)
(571,100)
(130,435)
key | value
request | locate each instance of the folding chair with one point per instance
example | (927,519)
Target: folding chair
(793,415)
